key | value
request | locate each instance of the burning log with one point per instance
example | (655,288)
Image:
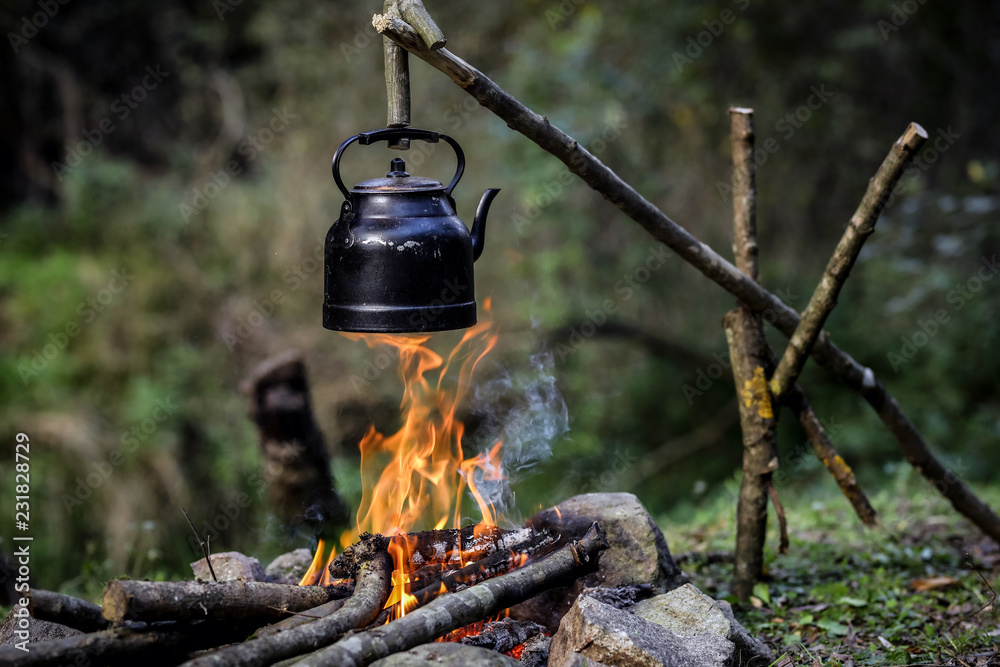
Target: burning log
(65,610)
(461,608)
(372,574)
(503,635)
(456,546)
(193,600)
(485,568)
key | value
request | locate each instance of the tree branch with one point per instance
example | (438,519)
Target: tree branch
(602,179)
(861,226)
(842,473)
(397,80)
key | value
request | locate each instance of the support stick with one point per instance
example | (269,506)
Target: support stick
(861,226)
(842,473)
(397,81)
(598,176)
(751,360)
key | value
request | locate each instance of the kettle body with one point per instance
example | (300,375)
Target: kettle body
(399,259)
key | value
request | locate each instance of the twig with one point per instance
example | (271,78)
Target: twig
(861,226)
(373,578)
(825,451)
(414,13)
(605,181)
(201,543)
(779,510)
(458,609)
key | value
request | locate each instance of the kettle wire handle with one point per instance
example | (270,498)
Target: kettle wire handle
(393,133)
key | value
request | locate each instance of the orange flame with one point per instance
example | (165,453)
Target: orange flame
(416,477)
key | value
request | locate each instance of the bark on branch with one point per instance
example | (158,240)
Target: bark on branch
(459,609)
(598,176)
(373,582)
(192,600)
(861,226)
(65,610)
(751,361)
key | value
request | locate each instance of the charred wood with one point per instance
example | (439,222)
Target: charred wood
(459,609)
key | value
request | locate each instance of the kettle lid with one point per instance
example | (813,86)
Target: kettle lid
(397,180)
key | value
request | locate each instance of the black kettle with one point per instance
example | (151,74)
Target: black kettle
(399,259)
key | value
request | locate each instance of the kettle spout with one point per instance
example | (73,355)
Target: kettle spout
(479,223)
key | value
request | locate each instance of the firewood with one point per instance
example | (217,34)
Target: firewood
(503,635)
(459,609)
(192,600)
(302,618)
(162,644)
(454,547)
(65,610)
(485,568)
(373,577)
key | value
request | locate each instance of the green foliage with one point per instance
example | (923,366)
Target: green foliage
(845,593)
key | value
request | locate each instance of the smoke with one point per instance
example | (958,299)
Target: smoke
(526,411)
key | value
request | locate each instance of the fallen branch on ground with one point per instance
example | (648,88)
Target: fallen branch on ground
(195,600)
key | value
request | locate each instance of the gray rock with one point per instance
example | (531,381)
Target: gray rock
(750,651)
(38,631)
(230,566)
(289,568)
(617,637)
(638,553)
(447,654)
(686,612)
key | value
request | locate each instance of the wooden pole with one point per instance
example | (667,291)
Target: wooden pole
(751,360)
(604,180)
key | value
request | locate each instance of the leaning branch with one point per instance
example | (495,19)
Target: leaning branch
(861,226)
(598,176)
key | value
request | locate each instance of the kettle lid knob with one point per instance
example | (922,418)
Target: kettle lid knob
(397,168)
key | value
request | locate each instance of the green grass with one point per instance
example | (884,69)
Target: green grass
(843,595)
